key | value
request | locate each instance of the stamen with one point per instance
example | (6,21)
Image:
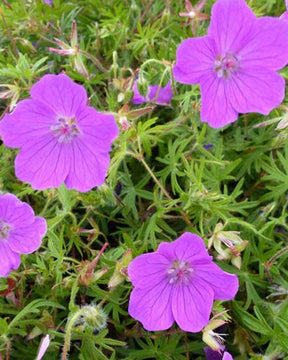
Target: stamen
(65,130)
(4,230)
(226,66)
(180,272)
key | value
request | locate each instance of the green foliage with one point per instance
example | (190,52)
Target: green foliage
(162,181)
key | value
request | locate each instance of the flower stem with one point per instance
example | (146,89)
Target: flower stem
(70,325)
(94,60)
(9,35)
(185,217)
(272,260)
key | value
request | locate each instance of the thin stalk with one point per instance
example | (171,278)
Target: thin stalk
(9,35)
(161,187)
(70,325)
(272,260)
(94,60)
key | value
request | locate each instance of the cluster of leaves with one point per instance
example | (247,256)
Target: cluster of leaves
(163,180)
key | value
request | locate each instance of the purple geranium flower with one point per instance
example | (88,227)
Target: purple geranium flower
(61,138)
(20,232)
(178,282)
(215,355)
(48,2)
(236,63)
(163,98)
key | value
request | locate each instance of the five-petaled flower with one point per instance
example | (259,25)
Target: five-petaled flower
(21,232)
(215,355)
(236,64)
(156,94)
(62,140)
(194,13)
(178,282)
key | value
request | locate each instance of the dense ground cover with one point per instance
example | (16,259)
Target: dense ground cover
(170,173)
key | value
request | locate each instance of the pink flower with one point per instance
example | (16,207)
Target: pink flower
(236,64)
(178,282)
(62,140)
(156,94)
(20,232)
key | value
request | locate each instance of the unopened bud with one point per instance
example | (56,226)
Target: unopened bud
(79,66)
(43,347)
(125,124)
(142,84)
(74,37)
(283,123)
(166,16)
(120,271)
(120,97)
(93,316)
(12,93)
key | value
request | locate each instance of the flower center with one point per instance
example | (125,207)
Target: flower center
(191,14)
(65,129)
(226,66)
(4,230)
(180,272)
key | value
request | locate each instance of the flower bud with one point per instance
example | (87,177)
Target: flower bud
(125,124)
(235,245)
(93,316)
(213,340)
(120,271)
(12,93)
(283,123)
(43,347)
(79,66)
(166,17)
(142,85)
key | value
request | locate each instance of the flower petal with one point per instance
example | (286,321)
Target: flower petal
(284,16)
(224,285)
(164,95)
(138,99)
(60,93)
(227,356)
(9,260)
(26,239)
(232,23)
(256,90)
(192,305)
(188,247)
(216,107)
(194,58)
(14,211)
(44,164)
(212,354)
(88,168)
(148,269)
(152,306)
(268,47)
(96,127)
(30,120)
(43,347)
